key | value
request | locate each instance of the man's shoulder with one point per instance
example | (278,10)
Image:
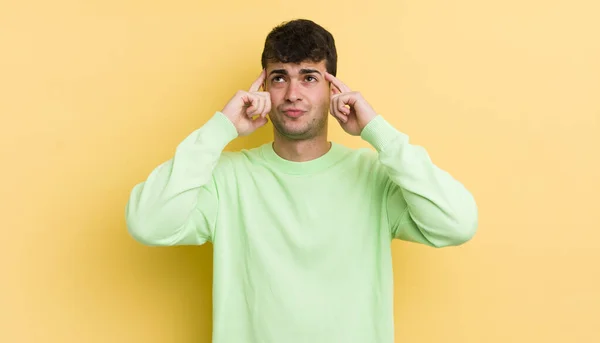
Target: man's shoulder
(241,156)
(360,154)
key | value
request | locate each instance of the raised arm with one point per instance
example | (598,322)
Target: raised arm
(425,204)
(177,204)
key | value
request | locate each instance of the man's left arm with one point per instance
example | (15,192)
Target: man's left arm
(424,203)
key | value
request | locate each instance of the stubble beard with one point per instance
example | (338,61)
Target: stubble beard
(312,126)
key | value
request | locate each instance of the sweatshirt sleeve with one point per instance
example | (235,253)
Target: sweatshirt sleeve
(424,203)
(177,203)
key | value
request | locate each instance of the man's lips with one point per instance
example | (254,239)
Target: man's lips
(294,113)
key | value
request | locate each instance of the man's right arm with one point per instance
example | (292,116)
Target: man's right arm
(177,203)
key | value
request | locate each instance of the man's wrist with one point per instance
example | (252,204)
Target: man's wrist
(367,121)
(379,132)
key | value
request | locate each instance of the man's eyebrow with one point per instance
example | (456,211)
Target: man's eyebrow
(302,71)
(278,71)
(309,71)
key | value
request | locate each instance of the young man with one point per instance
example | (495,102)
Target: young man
(301,227)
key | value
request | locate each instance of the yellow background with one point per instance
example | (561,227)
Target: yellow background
(505,95)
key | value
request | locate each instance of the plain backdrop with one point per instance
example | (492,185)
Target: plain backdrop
(504,95)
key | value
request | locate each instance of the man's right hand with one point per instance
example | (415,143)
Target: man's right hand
(244,106)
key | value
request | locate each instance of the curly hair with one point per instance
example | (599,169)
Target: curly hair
(300,40)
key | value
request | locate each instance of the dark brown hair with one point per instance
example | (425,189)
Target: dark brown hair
(300,40)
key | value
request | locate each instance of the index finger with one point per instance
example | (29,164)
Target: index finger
(258,83)
(337,83)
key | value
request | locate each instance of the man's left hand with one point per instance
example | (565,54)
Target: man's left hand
(350,109)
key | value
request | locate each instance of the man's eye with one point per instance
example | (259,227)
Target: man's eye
(277,79)
(311,77)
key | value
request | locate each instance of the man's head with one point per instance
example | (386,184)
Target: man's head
(296,56)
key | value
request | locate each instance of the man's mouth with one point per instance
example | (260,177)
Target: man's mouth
(294,113)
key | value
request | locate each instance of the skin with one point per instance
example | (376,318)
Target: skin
(300,86)
(306,86)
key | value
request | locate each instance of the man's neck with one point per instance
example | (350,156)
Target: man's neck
(301,150)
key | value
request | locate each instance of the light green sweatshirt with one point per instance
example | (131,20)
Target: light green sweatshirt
(302,250)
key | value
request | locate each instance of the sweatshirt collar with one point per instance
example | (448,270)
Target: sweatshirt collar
(325,161)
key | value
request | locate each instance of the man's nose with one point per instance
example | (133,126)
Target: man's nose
(292,93)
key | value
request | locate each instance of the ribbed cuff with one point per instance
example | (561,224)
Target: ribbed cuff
(379,132)
(218,130)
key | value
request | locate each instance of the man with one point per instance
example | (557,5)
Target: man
(301,227)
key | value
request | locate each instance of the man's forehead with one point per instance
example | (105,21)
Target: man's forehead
(296,67)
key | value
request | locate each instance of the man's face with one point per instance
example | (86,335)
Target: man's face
(299,98)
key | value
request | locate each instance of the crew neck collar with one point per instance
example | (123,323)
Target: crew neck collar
(333,155)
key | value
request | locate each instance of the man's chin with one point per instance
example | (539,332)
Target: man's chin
(292,131)
(295,128)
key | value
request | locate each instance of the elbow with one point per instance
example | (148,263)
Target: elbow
(146,230)
(455,237)
(466,224)
(460,232)
(464,233)
(140,232)
(139,229)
